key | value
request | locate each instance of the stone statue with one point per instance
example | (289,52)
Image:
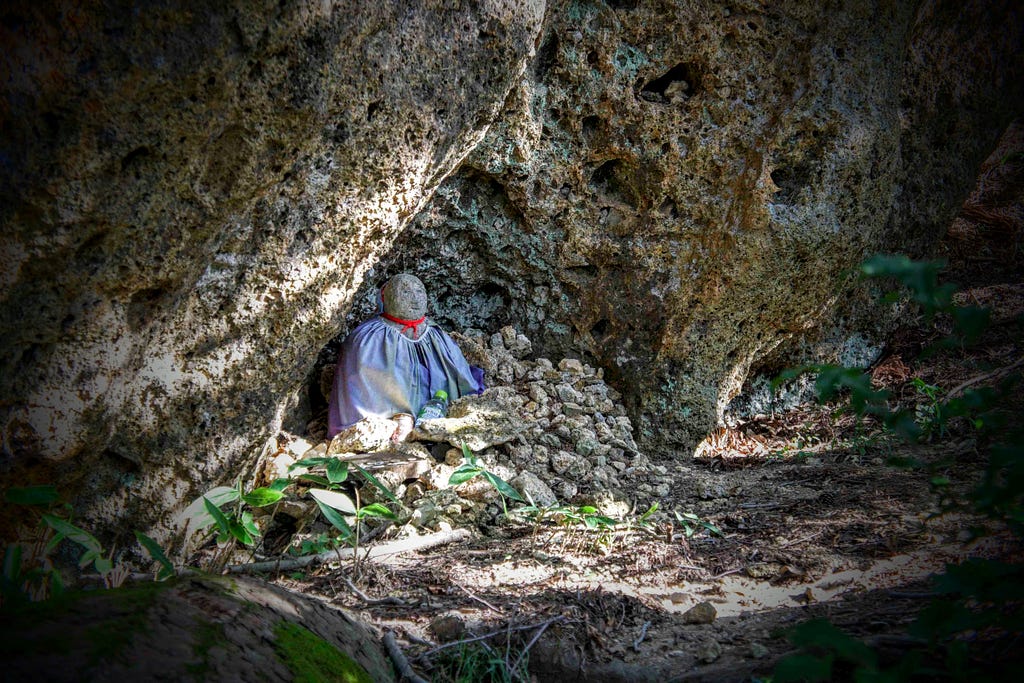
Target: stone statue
(394,362)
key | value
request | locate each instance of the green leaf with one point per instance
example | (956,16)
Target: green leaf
(650,511)
(249,524)
(803,668)
(87,557)
(103,565)
(262,496)
(380,487)
(218,517)
(337,470)
(335,500)
(463,474)
(376,510)
(280,484)
(56,584)
(316,479)
(504,488)
(822,633)
(156,553)
(73,533)
(334,518)
(31,495)
(196,516)
(309,462)
(12,562)
(241,533)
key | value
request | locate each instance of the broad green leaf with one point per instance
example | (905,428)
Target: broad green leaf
(12,561)
(31,495)
(463,474)
(334,499)
(803,668)
(316,479)
(337,470)
(87,557)
(156,553)
(56,584)
(218,517)
(103,565)
(712,528)
(588,510)
(262,496)
(504,488)
(334,518)
(73,533)
(380,487)
(249,524)
(309,462)
(240,532)
(823,634)
(196,517)
(376,510)
(280,484)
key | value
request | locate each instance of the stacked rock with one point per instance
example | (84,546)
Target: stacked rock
(577,437)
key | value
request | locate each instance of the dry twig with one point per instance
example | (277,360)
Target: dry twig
(401,663)
(370,602)
(640,638)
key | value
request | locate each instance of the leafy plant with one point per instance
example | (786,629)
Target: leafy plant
(28,571)
(691,524)
(471,467)
(978,596)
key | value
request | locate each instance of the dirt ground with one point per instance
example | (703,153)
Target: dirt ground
(809,521)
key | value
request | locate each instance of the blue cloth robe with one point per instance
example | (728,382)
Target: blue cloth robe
(382,372)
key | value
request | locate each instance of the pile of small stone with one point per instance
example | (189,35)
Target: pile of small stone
(576,437)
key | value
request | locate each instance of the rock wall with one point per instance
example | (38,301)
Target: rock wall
(678,191)
(194,194)
(191,193)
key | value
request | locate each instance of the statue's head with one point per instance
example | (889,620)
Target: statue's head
(404,297)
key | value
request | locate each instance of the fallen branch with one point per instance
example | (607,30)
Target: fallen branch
(480,600)
(801,540)
(995,374)
(640,638)
(474,639)
(536,637)
(384,549)
(401,663)
(371,602)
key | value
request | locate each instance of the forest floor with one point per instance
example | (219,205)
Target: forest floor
(789,517)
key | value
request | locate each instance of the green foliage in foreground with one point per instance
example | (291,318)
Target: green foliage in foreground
(976,600)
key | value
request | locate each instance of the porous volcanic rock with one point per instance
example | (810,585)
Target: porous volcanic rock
(194,196)
(191,194)
(678,192)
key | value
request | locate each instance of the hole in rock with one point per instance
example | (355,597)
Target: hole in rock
(593,57)
(677,85)
(613,179)
(668,208)
(790,180)
(587,271)
(591,127)
(622,4)
(134,157)
(143,306)
(599,329)
(372,109)
(547,55)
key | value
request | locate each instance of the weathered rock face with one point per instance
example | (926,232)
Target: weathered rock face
(191,193)
(193,197)
(678,190)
